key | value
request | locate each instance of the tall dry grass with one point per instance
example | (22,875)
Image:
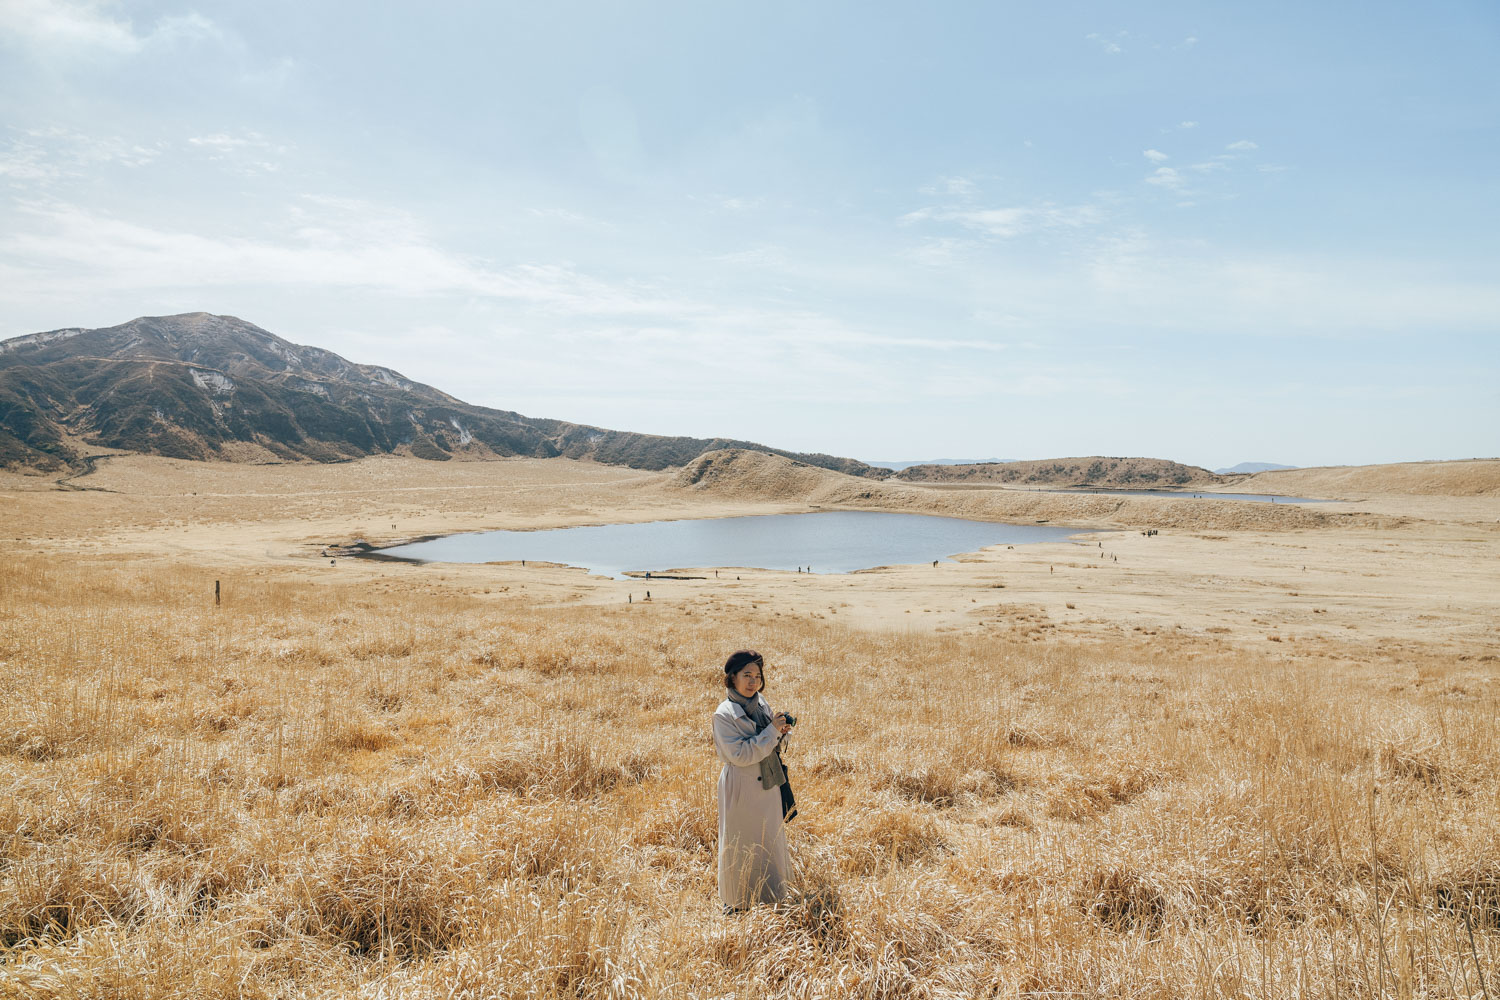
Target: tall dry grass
(330,790)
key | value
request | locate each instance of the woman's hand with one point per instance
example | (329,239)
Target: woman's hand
(779,721)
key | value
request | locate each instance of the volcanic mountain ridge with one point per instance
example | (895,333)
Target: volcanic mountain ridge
(199,386)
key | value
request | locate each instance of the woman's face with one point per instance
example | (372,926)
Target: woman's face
(748,680)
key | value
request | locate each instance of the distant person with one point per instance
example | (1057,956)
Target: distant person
(754,865)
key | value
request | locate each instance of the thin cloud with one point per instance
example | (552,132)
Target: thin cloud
(40,158)
(58,23)
(738,204)
(1187,125)
(1244,145)
(337,243)
(774,257)
(85,27)
(246,152)
(1165,177)
(1113,48)
(943,251)
(1007,223)
(24,165)
(1155,155)
(223,142)
(570,218)
(190,27)
(330,243)
(957,187)
(1192,285)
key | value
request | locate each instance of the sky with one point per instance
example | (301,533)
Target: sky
(1212,233)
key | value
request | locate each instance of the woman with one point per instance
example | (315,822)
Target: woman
(753,862)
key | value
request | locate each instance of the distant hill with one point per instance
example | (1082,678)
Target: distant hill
(1472,477)
(199,386)
(1089,471)
(743,475)
(1252,467)
(898,466)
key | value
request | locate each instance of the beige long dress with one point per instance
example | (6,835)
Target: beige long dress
(754,865)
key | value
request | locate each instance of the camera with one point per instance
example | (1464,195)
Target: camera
(791,719)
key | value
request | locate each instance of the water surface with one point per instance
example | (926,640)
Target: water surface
(828,542)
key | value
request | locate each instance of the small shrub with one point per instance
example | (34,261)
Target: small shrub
(1471,893)
(54,894)
(894,835)
(1080,798)
(358,734)
(1411,760)
(379,893)
(1123,900)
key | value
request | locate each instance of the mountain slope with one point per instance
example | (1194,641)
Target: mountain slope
(199,386)
(1464,478)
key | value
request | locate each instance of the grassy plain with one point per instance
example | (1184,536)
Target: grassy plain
(1218,774)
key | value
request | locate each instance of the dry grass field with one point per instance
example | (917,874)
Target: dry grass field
(388,783)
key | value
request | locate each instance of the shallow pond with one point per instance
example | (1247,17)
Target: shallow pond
(827,542)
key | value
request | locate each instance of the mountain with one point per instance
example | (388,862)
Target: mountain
(199,386)
(1094,470)
(898,466)
(1245,468)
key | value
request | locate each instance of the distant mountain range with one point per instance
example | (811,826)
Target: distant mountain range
(199,386)
(1093,470)
(898,466)
(1247,467)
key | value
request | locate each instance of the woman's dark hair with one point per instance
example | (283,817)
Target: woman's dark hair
(739,660)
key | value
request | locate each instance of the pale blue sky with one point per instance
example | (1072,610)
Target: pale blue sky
(1211,233)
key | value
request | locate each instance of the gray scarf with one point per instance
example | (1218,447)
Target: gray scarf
(772,774)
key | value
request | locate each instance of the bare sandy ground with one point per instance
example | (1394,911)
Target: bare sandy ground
(1397,563)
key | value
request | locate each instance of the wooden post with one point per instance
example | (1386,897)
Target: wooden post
(216,593)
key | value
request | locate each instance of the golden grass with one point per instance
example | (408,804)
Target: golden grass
(328,790)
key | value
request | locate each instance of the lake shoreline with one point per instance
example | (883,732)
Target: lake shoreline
(839,542)
(1230,571)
